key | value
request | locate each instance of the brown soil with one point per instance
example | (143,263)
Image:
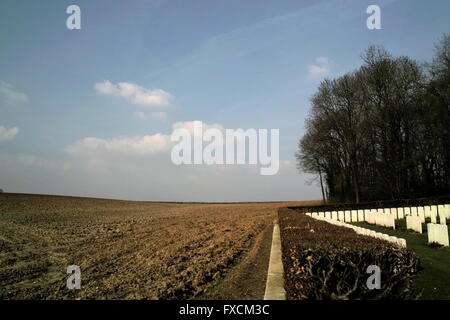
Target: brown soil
(133,250)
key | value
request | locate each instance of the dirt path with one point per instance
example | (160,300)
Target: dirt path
(247,280)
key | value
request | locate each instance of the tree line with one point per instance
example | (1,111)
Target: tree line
(381,131)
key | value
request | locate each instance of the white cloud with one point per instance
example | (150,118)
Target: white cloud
(136,94)
(29,160)
(129,153)
(131,146)
(154,115)
(317,71)
(8,134)
(38,162)
(140,145)
(320,69)
(322,60)
(11,95)
(189,126)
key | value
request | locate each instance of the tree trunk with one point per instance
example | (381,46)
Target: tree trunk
(321,187)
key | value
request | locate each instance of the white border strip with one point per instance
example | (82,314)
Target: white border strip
(275,279)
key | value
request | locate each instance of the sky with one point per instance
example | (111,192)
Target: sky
(89,112)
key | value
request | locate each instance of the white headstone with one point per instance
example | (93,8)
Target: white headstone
(421,211)
(400,213)
(427,210)
(447,210)
(381,220)
(418,224)
(334,215)
(372,216)
(394,211)
(366,215)
(361,215)
(441,209)
(375,218)
(433,216)
(341,215)
(409,223)
(442,219)
(434,211)
(437,233)
(348,216)
(421,215)
(354,215)
(414,223)
(392,221)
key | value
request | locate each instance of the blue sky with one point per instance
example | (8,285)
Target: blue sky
(240,64)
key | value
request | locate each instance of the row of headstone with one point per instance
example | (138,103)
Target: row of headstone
(437,233)
(435,213)
(372,216)
(385,216)
(363,231)
(382,219)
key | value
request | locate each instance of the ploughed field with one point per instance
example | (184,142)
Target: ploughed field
(132,250)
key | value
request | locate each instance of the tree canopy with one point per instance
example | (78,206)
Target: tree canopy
(382,131)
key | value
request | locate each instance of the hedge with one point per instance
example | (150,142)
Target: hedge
(328,262)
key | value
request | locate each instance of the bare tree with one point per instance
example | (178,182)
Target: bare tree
(381,131)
